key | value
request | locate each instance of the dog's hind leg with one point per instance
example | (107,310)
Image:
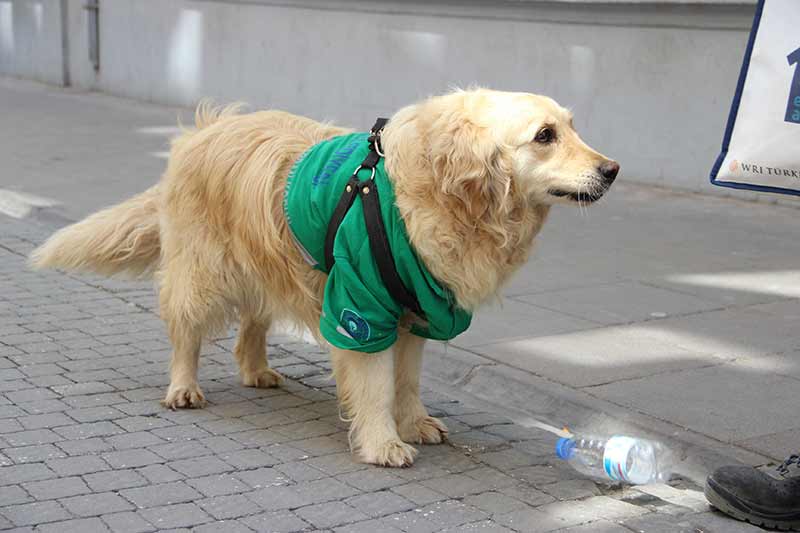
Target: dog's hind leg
(251,354)
(190,310)
(365,385)
(414,424)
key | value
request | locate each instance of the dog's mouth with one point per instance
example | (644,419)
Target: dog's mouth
(583,197)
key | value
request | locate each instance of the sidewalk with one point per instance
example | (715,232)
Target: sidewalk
(654,312)
(85,445)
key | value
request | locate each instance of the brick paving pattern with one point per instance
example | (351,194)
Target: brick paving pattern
(85,445)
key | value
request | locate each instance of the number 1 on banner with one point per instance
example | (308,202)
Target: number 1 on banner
(793,108)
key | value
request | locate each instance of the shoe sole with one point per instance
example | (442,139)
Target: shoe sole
(718,501)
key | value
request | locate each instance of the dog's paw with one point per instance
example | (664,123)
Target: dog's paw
(424,430)
(394,453)
(180,396)
(262,379)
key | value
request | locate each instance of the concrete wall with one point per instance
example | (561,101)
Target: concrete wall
(650,81)
(32,42)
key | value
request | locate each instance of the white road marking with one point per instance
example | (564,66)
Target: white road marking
(20,205)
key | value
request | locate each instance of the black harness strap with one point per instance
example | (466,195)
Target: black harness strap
(376,230)
(381,251)
(345,203)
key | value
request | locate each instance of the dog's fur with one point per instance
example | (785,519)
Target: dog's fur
(473,186)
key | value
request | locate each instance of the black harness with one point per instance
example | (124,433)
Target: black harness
(376,231)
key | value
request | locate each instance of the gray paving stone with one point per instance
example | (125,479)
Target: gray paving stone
(452,513)
(181,449)
(56,488)
(419,494)
(300,471)
(138,439)
(228,526)
(275,498)
(173,516)
(377,504)
(89,387)
(599,526)
(455,485)
(202,466)
(10,475)
(411,522)
(528,494)
(277,522)
(507,459)
(571,489)
(326,489)
(95,400)
(257,437)
(32,454)
(372,479)
(31,437)
(541,475)
(11,411)
(220,444)
(49,420)
(181,432)
(35,513)
(43,406)
(263,477)
(142,423)
(95,414)
(160,473)
(81,525)
(227,507)
(127,522)
(566,514)
(85,446)
(159,495)
(96,504)
(495,503)
(131,458)
(218,485)
(12,495)
(246,459)
(367,526)
(48,381)
(92,429)
(320,446)
(8,425)
(334,464)
(330,514)
(114,480)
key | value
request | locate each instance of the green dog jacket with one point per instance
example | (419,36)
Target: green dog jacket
(358,312)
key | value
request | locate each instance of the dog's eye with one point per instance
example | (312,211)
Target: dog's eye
(545,136)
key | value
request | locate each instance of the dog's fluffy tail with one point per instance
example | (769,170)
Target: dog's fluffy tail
(122,239)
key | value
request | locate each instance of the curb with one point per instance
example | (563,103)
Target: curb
(530,400)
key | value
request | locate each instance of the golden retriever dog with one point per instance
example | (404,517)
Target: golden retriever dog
(474,172)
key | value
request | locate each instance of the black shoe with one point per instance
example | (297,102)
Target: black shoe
(764,499)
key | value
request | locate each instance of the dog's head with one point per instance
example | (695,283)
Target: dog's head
(487,145)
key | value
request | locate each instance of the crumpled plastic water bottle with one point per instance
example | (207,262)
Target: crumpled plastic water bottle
(619,458)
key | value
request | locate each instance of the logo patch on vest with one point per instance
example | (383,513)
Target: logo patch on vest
(354,325)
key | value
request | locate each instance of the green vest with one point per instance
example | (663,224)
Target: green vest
(358,312)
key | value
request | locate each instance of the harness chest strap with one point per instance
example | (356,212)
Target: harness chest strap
(373,220)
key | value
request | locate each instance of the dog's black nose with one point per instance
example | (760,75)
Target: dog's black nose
(609,171)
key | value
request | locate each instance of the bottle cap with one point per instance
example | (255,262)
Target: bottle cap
(565,448)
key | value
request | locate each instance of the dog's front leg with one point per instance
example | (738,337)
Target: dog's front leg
(414,424)
(365,384)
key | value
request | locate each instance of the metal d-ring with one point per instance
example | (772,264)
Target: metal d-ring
(377,144)
(371,178)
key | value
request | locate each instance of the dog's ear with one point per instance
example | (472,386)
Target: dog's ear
(468,164)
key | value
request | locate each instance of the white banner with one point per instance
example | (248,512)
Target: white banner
(761,148)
